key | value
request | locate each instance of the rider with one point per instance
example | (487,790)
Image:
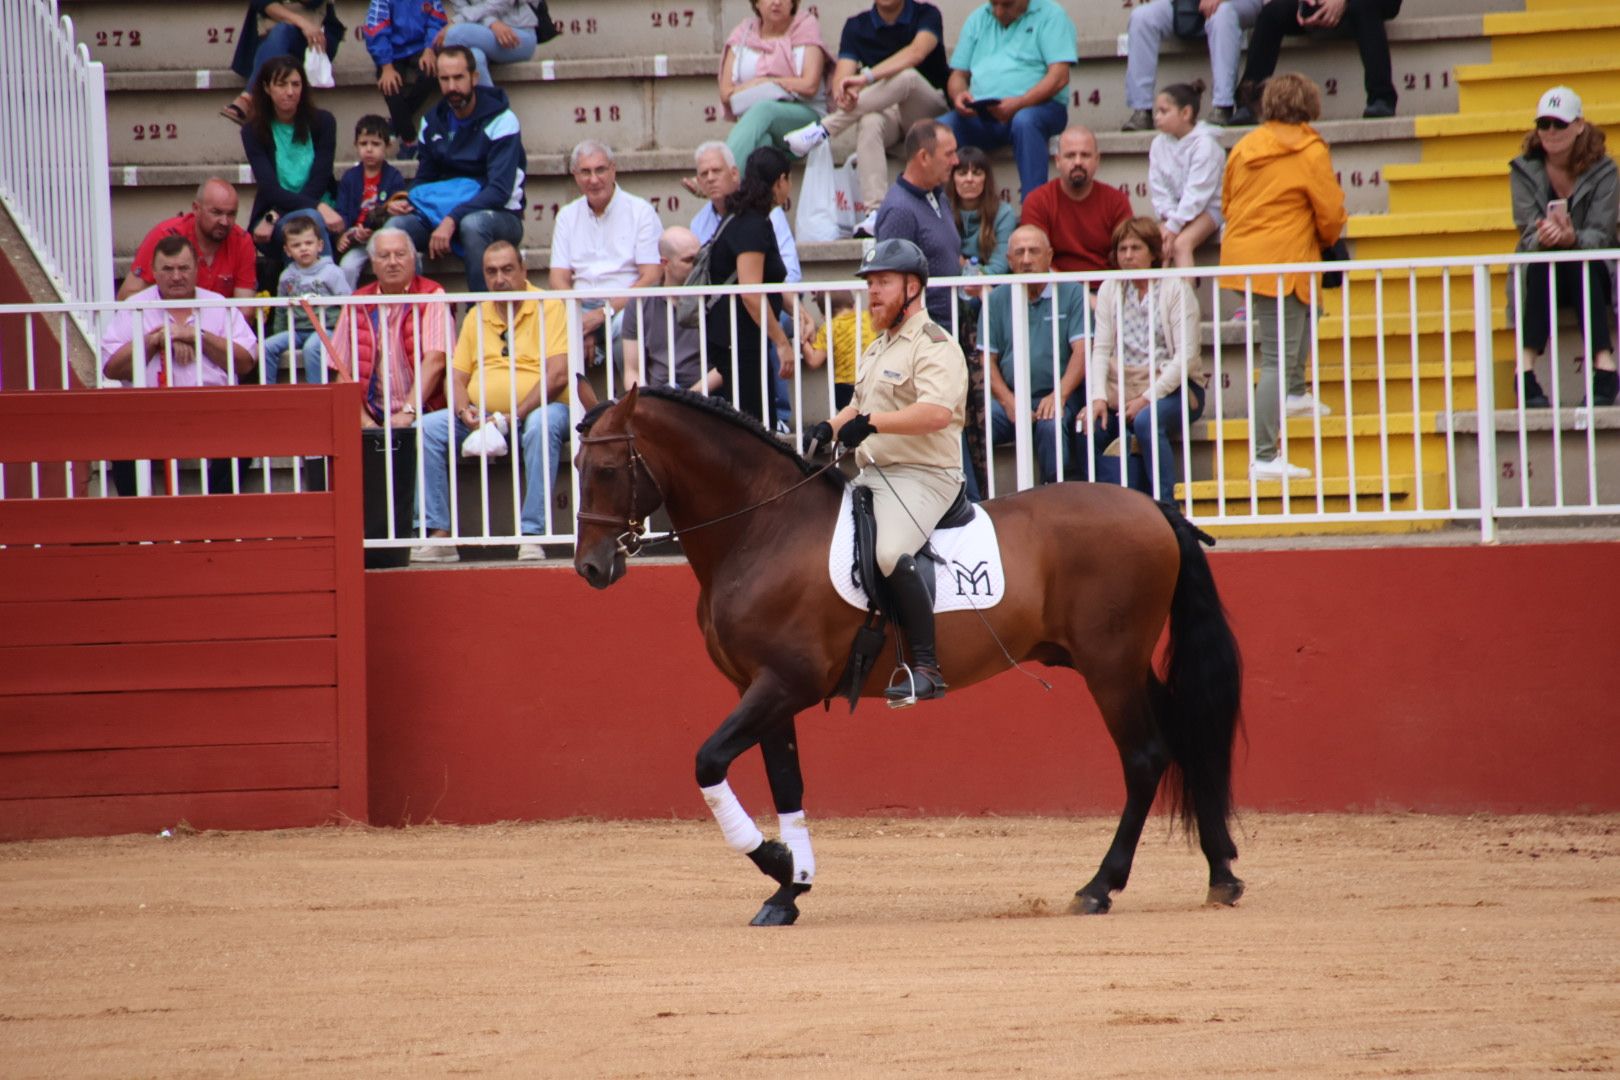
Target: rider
(906,417)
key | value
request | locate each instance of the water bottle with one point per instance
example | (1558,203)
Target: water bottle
(972,267)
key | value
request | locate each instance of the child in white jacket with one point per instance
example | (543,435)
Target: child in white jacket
(1185,164)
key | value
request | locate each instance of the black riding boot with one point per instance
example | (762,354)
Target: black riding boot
(915,612)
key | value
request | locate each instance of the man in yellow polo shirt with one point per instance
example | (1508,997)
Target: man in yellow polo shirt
(500,367)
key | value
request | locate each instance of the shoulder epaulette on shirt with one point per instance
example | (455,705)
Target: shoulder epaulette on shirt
(936,332)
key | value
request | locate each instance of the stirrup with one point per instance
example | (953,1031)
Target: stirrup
(903,686)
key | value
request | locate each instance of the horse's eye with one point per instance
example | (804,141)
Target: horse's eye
(608,472)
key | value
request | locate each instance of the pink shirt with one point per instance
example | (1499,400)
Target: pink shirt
(226,322)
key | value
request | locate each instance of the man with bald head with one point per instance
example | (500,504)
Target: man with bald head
(1054,377)
(225,255)
(650,349)
(1074,209)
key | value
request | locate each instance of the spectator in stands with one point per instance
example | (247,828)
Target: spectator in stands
(772,76)
(891,72)
(310,275)
(206,346)
(1147,335)
(399,36)
(746,249)
(717,178)
(1009,74)
(1185,166)
(917,208)
(605,239)
(1062,306)
(658,351)
(363,191)
(291,145)
(1224,24)
(469,172)
(497,31)
(847,334)
(280,28)
(413,339)
(529,386)
(226,262)
(1283,204)
(1076,212)
(1361,19)
(1564,197)
(983,222)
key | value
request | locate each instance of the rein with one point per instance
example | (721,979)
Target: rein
(635,535)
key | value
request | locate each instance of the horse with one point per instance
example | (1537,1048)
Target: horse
(1093,571)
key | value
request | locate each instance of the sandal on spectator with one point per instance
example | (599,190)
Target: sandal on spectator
(234,113)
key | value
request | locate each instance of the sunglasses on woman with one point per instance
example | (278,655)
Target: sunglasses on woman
(1545,122)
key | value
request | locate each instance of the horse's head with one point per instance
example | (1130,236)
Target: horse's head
(616,494)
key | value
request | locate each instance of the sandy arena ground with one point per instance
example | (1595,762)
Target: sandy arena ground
(1375,946)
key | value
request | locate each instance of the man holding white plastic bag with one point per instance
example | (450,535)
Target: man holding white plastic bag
(500,370)
(891,72)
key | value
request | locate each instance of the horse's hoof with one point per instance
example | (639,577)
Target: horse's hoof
(776,915)
(1086,904)
(1225,894)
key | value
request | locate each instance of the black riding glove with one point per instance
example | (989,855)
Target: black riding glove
(855,431)
(820,438)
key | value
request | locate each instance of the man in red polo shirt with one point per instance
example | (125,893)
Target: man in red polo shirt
(225,254)
(1079,214)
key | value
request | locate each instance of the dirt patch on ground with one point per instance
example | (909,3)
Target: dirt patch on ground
(1374,946)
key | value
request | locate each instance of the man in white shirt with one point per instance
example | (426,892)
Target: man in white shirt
(605,239)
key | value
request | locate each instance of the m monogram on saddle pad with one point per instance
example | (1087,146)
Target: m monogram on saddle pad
(966,557)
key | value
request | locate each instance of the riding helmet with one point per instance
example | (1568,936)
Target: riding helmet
(901,256)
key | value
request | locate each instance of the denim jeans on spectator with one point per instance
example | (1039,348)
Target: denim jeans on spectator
(1049,436)
(545,427)
(1158,447)
(1030,134)
(476,232)
(481,40)
(284,39)
(278,346)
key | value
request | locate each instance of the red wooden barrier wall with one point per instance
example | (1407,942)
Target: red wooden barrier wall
(215,674)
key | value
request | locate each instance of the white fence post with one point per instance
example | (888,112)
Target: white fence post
(1485,402)
(1023,366)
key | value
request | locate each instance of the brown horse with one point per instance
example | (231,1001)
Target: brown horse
(1092,571)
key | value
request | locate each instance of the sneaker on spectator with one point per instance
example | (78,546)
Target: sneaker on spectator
(1605,386)
(1221,116)
(1306,405)
(426,553)
(1277,469)
(1139,120)
(1378,110)
(531,553)
(406,151)
(806,139)
(1531,395)
(867,226)
(1242,116)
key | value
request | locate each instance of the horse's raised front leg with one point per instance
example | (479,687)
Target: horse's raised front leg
(762,712)
(1144,758)
(780,748)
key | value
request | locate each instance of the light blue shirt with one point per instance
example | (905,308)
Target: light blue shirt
(1005,61)
(707,221)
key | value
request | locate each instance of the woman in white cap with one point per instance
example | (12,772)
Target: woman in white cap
(1565,197)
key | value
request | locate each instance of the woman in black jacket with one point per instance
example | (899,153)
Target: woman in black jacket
(290,145)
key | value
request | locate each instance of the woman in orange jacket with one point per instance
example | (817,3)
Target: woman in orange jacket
(1282,205)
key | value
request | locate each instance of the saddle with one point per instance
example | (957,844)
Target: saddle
(869,636)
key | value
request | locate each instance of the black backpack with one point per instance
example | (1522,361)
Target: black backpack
(687,307)
(547,27)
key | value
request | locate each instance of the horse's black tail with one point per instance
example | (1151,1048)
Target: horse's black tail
(1198,703)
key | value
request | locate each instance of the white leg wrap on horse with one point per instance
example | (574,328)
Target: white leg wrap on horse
(740,831)
(796,835)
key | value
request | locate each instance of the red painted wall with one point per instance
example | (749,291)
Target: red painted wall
(1435,679)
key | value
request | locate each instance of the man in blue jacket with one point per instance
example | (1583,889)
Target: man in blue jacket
(399,36)
(471,135)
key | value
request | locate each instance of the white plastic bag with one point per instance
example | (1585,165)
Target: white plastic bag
(488,440)
(846,194)
(818,199)
(318,69)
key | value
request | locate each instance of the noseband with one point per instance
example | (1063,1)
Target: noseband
(629,541)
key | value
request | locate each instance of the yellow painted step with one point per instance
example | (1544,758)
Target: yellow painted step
(1552,35)
(1367,495)
(1405,445)
(1496,87)
(1569,5)
(1438,187)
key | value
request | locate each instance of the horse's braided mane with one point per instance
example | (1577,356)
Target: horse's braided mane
(720,409)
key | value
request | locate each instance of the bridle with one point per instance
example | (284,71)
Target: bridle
(630,542)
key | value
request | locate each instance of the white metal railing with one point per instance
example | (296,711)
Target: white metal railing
(1410,356)
(53,151)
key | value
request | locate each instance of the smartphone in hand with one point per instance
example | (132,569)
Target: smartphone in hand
(1558,208)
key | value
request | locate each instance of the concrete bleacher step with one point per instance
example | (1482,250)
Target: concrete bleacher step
(1239,495)
(1496,136)
(1553,35)
(1514,83)
(1407,437)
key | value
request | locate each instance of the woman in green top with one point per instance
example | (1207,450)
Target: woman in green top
(290,145)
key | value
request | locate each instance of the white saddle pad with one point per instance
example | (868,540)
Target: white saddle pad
(969,575)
